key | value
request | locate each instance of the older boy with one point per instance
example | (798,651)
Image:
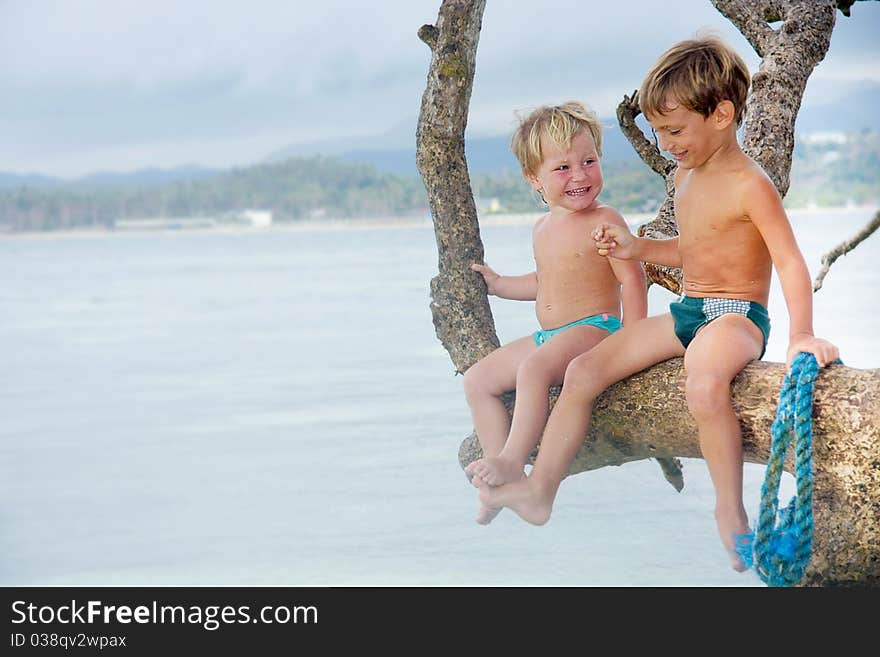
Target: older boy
(578,293)
(732,229)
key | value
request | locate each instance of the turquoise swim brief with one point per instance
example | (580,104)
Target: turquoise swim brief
(690,313)
(603,321)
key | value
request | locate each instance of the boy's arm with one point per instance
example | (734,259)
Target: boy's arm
(617,241)
(764,208)
(517,288)
(633,290)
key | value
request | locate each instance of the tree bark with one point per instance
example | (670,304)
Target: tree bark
(459,305)
(645,416)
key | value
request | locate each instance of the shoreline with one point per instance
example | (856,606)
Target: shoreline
(370,223)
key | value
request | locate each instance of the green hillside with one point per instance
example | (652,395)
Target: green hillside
(835,170)
(830,170)
(293,190)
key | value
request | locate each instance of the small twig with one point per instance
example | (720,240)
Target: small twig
(844,248)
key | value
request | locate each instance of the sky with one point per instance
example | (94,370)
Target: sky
(122,85)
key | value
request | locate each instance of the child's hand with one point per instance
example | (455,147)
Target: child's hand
(825,352)
(489,275)
(613,240)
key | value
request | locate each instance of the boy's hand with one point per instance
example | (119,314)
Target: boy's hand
(615,241)
(489,275)
(825,352)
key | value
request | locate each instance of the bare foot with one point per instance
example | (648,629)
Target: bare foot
(469,470)
(486,514)
(469,473)
(737,538)
(523,496)
(497,470)
(477,482)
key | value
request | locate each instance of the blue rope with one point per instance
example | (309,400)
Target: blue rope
(783,545)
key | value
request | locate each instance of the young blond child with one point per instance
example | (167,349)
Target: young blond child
(732,230)
(577,292)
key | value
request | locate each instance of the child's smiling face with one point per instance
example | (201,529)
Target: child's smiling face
(688,136)
(569,178)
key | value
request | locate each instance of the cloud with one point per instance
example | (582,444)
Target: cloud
(86,82)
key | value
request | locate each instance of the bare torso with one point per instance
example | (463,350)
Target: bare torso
(722,252)
(573,280)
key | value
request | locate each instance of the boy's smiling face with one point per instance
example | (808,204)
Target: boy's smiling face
(688,136)
(569,178)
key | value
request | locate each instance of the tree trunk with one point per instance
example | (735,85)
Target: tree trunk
(459,305)
(645,416)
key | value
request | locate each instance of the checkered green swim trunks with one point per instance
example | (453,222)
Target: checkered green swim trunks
(690,313)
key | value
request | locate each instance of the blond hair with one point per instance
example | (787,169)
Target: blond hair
(698,74)
(561,124)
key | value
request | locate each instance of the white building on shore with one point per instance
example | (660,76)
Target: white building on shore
(258,218)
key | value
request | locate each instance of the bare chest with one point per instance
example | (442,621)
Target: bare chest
(710,215)
(565,245)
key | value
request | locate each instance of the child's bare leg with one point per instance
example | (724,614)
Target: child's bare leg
(630,350)
(720,351)
(484,383)
(542,369)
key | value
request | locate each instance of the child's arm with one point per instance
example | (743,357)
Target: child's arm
(617,241)
(633,289)
(517,288)
(630,274)
(764,207)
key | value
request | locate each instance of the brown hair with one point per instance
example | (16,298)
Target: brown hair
(697,73)
(561,123)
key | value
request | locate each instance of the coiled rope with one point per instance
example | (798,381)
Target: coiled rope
(783,545)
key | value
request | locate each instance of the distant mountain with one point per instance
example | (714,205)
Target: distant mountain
(392,153)
(377,176)
(850,108)
(853,108)
(150,177)
(399,137)
(828,169)
(295,189)
(34,180)
(146,177)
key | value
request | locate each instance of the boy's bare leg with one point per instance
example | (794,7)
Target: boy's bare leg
(628,351)
(717,354)
(536,374)
(484,383)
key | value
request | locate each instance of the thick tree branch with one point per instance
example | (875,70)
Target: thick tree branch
(843,248)
(751,19)
(646,416)
(459,305)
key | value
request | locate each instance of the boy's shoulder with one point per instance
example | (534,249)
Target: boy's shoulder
(753,184)
(740,173)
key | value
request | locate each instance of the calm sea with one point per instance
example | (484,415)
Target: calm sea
(209,408)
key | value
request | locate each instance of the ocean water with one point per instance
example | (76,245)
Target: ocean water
(273,408)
